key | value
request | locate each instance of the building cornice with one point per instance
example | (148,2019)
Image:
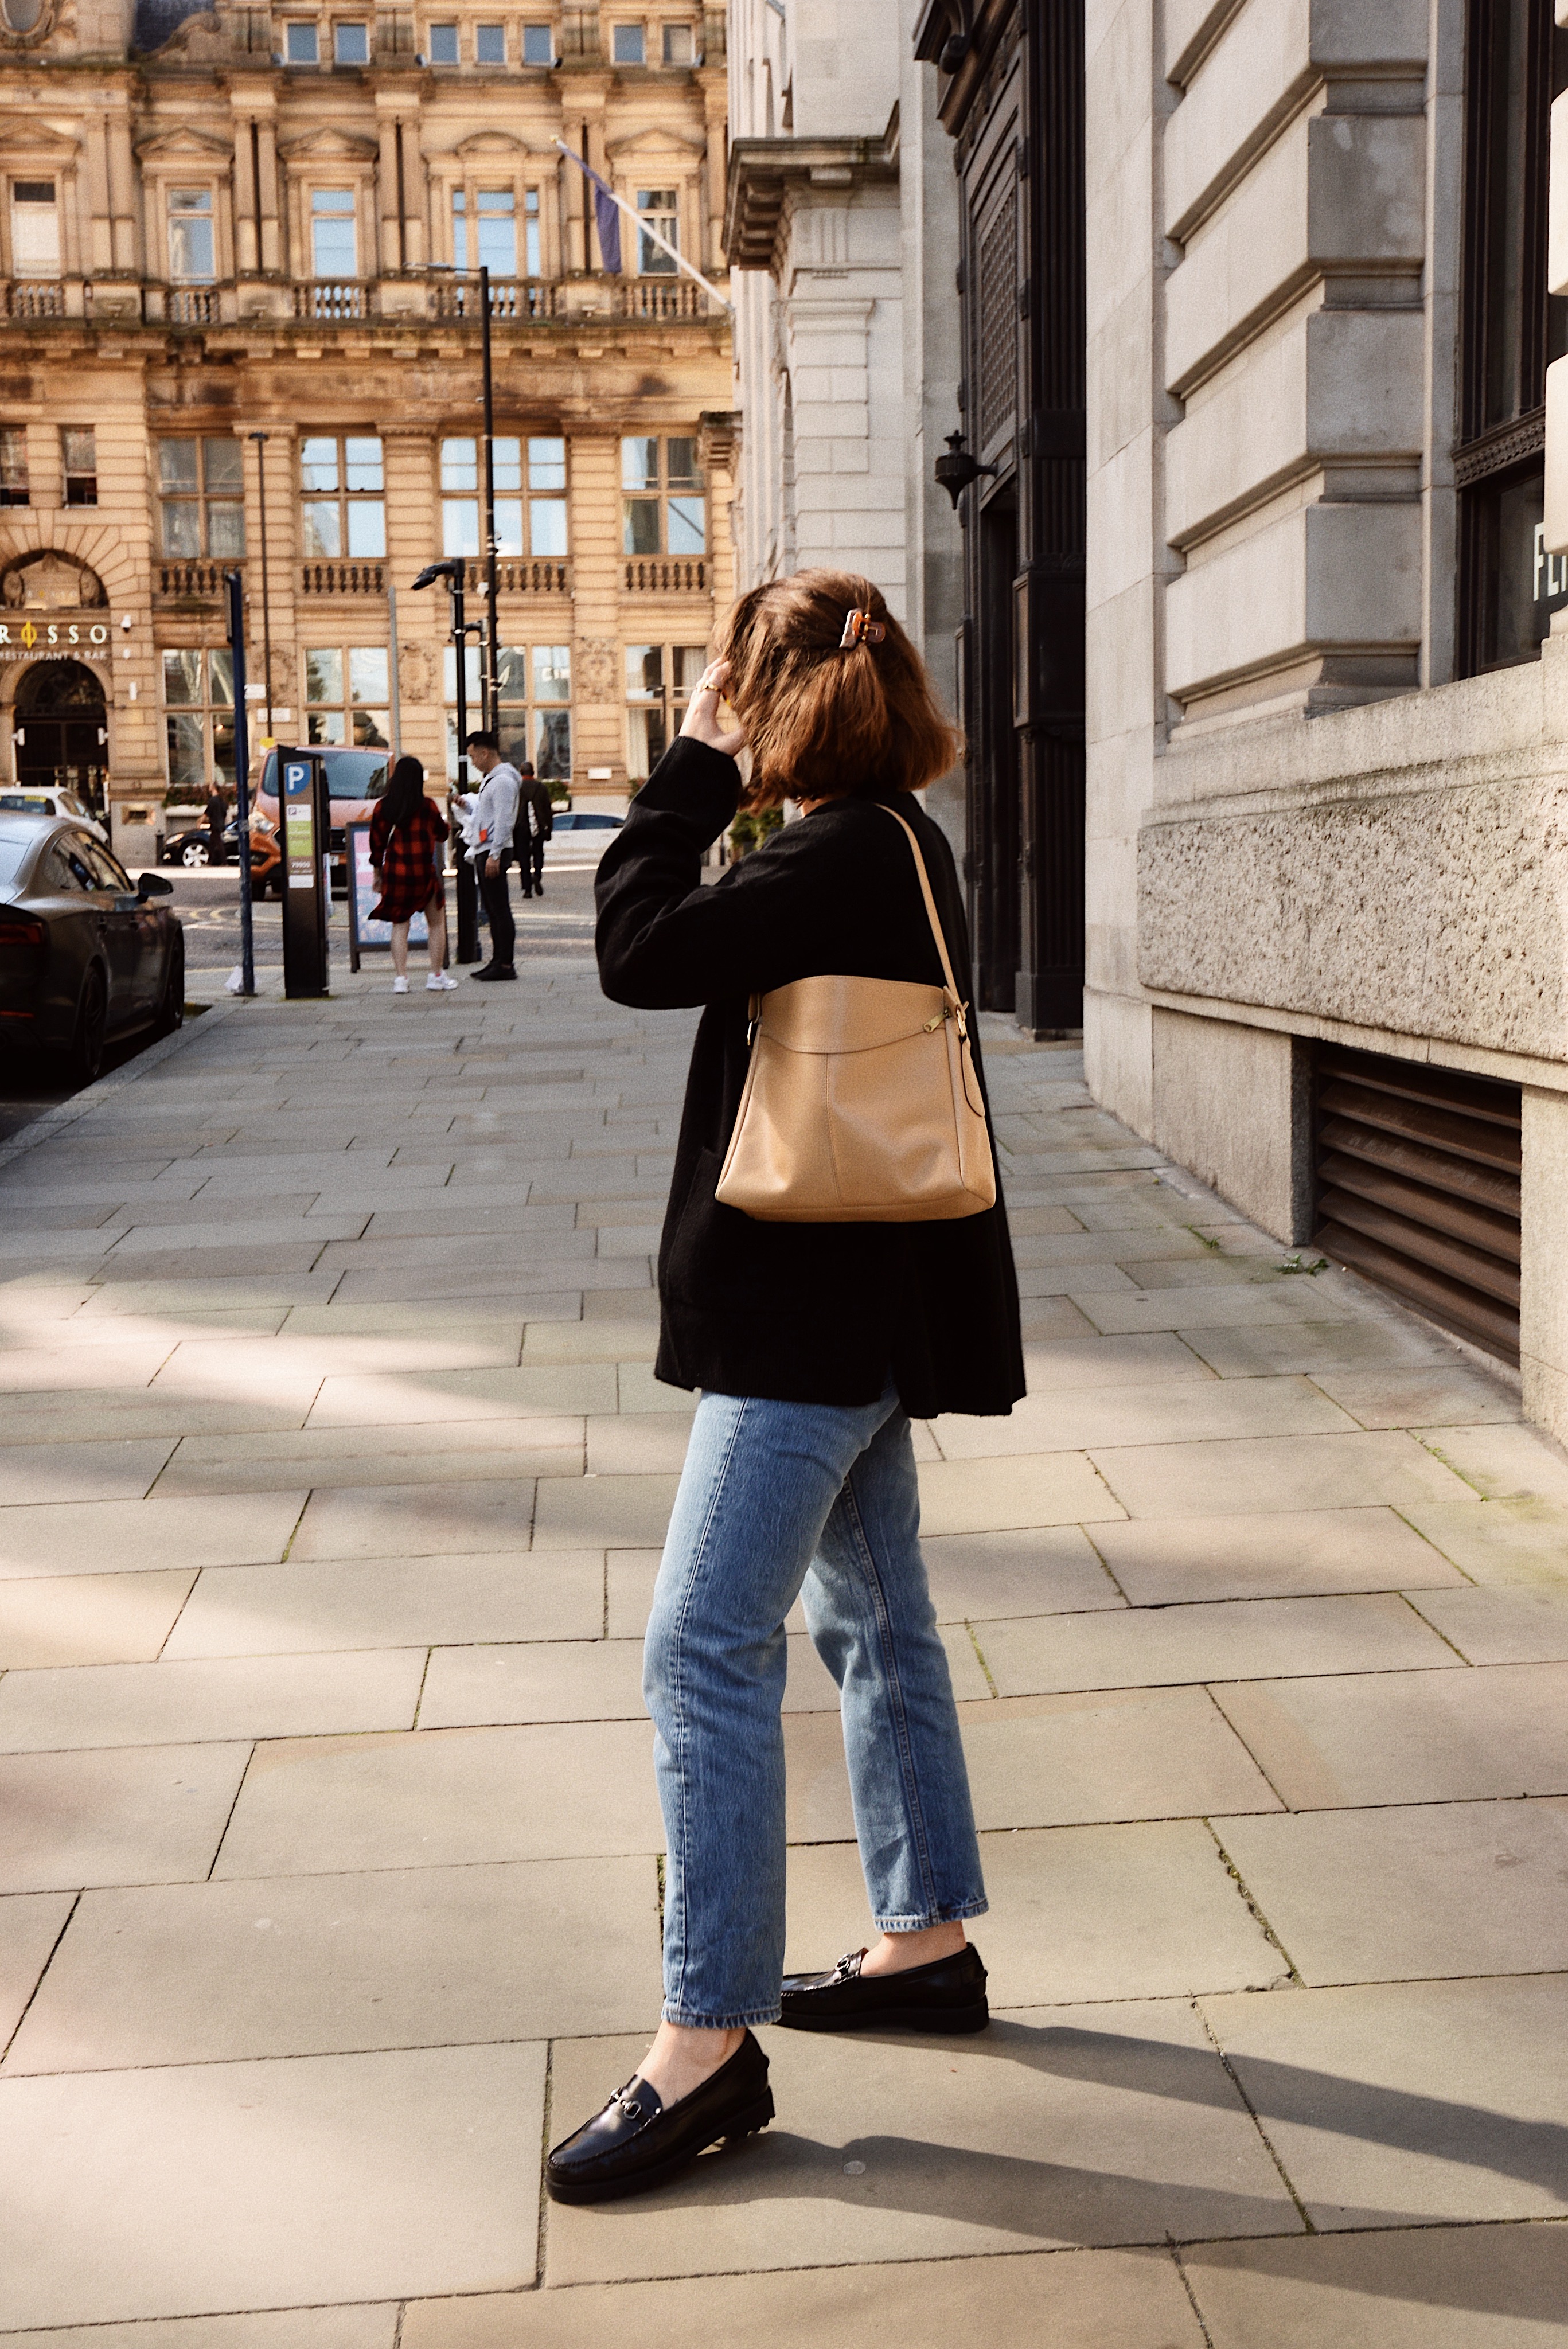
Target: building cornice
(763,171)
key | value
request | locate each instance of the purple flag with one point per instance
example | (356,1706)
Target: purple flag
(606,220)
(607,212)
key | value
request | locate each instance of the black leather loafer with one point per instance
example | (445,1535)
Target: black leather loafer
(948,1994)
(494,970)
(636,2142)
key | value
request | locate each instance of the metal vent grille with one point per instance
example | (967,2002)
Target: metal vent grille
(998,318)
(1418,1187)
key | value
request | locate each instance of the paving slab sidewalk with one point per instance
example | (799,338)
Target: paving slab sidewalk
(330,1860)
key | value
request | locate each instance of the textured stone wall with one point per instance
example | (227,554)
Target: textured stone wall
(1440,914)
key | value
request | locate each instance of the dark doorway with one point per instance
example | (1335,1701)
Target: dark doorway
(1010,94)
(993,805)
(61,730)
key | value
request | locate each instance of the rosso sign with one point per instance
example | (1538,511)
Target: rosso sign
(83,635)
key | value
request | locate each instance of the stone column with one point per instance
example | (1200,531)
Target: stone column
(599,728)
(590,95)
(101,257)
(717,448)
(416,195)
(122,192)
(716,107)
(246,250)
(414,537)
(278,454)
(387,220)
(576,191)
(272,258)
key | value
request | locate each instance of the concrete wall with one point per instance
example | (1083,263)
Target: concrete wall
(1232,1103)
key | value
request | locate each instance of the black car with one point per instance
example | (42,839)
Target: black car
(194,850)
(83,955)
(193,847)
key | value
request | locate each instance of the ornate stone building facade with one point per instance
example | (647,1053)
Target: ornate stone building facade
(1327,704)
(239,327)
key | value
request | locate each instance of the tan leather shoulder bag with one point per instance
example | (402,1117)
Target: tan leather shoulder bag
(861,1103)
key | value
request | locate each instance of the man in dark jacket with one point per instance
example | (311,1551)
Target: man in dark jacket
(217,823)
(535,823)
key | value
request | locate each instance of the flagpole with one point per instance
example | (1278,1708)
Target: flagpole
(643,228)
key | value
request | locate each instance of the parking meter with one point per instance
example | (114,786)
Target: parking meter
(306,811)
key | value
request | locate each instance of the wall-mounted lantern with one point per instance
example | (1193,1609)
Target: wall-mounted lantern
(959,468)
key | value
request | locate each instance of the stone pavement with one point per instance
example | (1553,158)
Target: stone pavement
(335,1478)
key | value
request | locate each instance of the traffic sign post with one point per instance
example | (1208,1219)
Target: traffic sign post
(306,810)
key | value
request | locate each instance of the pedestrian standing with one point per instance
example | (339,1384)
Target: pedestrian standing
(527,829)
(217,823)
(407,830)
(541,826)
(813,1344)
(493,812)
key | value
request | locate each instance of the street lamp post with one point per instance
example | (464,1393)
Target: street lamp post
(260,439)
(234,594)
(453,569)
(490,677)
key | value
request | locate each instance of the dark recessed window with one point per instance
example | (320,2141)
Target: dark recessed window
(626,45)
(1509,586)
(490,44)
(12,465)
(538,45)
(443,45)
(79,448)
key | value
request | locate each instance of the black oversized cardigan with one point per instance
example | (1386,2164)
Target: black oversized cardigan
(800,1312)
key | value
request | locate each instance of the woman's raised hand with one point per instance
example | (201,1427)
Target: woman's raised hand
(701,718)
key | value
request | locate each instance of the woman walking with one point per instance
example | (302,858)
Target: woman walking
(813,1343)
(406,833)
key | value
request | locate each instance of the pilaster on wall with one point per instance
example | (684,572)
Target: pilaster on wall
(1295,168)
(413,534)
(275,457)
(932,363)
(1127,409)
(1543,1293)
(598,692)
(1234,1104)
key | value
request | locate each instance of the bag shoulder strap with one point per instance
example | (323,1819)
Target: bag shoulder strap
(908,833)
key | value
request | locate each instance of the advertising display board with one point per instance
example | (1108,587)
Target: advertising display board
(363,933)
(308,890)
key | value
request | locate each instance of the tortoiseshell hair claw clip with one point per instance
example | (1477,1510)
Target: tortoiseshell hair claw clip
(860,628)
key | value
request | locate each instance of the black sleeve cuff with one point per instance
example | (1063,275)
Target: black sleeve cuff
(694,780)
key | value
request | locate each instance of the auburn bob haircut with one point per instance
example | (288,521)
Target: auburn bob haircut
(833,696)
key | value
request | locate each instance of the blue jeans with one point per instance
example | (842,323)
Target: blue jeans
(778,1499)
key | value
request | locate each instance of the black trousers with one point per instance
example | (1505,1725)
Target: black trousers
(497,896)
(539,867)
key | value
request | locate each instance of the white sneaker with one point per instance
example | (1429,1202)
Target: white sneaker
(399,987)
(437,983)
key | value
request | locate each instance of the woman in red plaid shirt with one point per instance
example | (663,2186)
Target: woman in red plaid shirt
(406,834)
